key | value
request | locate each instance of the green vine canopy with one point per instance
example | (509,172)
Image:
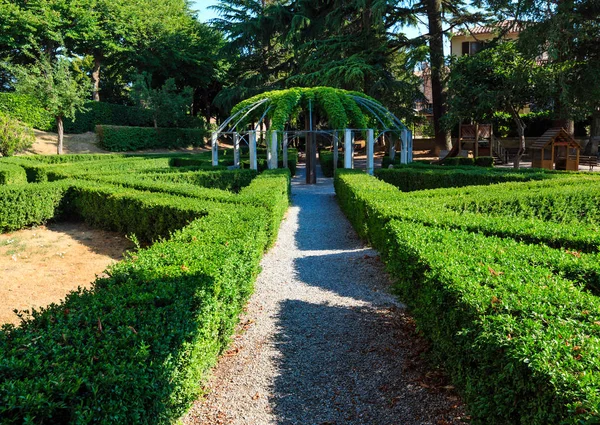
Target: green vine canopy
(338,108)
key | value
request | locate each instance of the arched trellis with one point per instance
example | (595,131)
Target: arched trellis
(347,112)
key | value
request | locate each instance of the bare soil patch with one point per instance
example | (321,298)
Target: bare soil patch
(46,143)
(39,266)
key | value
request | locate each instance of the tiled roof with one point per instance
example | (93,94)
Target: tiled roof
(511,25)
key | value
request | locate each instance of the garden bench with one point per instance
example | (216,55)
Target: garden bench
(589,160)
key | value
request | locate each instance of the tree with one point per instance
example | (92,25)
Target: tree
(168,106)
(563,35)
(51,81)
(497,78)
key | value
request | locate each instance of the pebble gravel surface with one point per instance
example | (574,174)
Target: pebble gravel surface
(323,341)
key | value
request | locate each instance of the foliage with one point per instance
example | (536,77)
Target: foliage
(102,113)
(497,78)
(119,139)
(52,82)
(326,160)
(12,174)
(448,271)
(142,338)
(168,106)
(14,135)
(26,109)
(335,106)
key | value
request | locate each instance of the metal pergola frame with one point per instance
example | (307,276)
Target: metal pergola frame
(380,113)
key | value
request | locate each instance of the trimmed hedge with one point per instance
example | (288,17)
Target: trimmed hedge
(326,160)
(31,204)
(102,113)
(420,176)
(28,110)
(134,348)
(12,174)
(120,139)
(518,337)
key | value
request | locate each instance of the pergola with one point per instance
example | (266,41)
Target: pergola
(350,114)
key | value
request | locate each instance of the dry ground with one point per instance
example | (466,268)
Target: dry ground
(46,143)
(41,265)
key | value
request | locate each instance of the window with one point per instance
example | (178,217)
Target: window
(471,47)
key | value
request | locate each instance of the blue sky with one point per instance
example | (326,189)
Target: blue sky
(204,14)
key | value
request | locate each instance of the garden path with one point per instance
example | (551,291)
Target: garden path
(323,341)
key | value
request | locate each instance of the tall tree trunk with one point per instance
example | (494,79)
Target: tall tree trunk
(96,78)
(61,134)
(521,131)
(592,146)
(436,54)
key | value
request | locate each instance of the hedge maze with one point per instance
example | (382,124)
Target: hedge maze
(501,275)
(134,347)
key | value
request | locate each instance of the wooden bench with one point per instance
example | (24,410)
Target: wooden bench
(589,160)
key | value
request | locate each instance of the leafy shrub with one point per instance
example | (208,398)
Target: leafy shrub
(102,113)
(26,109)
(119,139)
(326,160)
(12,174)
(418,177)
(484,161)
(14,136)
(134,348)
(518,337)
(30,204)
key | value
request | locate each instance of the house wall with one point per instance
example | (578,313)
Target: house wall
(457,41)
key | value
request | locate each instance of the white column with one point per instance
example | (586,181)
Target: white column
(392,146)
(336,152)
(273,150)
(348,148)
(370,151)
(236,150)
(404,151)
(252,144)
(215,149)
(285,150)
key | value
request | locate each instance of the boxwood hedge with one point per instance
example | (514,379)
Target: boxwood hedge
(135,347)
(120,139)
(513,322)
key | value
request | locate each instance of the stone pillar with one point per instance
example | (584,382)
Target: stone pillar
(273,151)
(215,149)
(348,148)
(252,145)
(370,151)
(236,150)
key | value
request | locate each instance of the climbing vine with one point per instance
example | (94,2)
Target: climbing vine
(339,107)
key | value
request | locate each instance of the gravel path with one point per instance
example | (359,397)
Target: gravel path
(323,342)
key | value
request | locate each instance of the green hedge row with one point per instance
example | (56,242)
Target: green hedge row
(119,139)
(419,176)
(326,160)
(231,180)
(30,204)
(12,174)
(380,201)
(516,335)
(562,203)
(102,113)
(28,110)
(520,341)
(135,347)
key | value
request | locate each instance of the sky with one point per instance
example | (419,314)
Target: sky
(204,14)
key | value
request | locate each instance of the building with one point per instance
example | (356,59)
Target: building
(469,41)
